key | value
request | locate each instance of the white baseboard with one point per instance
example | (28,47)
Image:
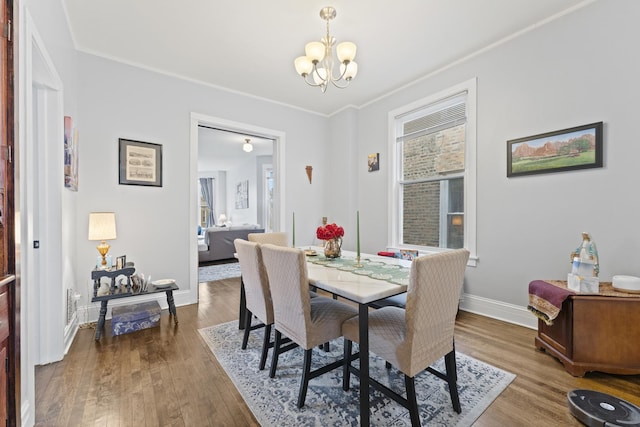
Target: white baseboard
(70,332)
(474,304)
(25,415)
(499,310)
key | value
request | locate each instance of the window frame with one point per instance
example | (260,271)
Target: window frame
(469,175)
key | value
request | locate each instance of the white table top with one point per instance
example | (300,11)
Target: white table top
(357,288)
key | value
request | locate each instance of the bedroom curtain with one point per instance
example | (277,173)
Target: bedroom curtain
(206,187)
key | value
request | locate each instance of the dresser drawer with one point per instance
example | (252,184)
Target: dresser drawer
(4,315)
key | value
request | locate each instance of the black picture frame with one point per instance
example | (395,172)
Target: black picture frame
(140,163)
(121,262)
(579,147)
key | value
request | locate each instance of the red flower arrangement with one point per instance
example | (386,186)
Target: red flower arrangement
(329,231)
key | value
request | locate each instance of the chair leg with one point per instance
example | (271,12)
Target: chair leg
(326,347)
(452,379)
(304,383)
(247,328)
(346,375)
(265,346)
(412,403)
(387,365)
(274,360)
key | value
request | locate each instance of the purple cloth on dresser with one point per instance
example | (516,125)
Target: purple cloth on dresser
(545,300)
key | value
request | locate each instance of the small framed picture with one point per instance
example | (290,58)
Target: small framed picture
(121,261)
(408,254)
(140,163)
(373,162)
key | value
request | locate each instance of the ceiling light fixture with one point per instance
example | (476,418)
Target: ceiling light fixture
(318,60)
(247,147)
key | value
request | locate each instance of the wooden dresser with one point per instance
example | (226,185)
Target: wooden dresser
(595,332)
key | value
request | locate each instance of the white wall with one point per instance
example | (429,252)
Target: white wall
(573,71)
(244,172)
(120,101)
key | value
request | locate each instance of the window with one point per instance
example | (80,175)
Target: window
(269,181)
(433,181)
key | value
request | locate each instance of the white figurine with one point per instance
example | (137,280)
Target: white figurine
(587,253)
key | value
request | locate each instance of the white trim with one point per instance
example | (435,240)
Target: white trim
(470,174)
(494,309)
(70,332)
(39,344)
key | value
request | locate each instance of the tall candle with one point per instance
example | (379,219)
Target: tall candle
(358,231)
(293,243)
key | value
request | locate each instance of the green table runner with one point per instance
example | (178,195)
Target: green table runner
(391,273)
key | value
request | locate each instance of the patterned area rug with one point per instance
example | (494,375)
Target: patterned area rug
(218,272)
(273,401)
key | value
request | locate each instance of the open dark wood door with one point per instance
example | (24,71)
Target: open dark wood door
(9,337)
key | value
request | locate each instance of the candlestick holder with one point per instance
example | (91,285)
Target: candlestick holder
(358,265)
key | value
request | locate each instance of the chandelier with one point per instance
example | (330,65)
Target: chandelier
(316,67)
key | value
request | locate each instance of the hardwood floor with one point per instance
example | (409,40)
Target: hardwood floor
(167,375)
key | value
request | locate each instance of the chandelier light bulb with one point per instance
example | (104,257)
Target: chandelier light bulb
(352,70)
(304,67)
(315,51)
(346,51)
(320,76)
(316,67)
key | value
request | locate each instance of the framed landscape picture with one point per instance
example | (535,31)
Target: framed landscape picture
(579,147)
(140,163)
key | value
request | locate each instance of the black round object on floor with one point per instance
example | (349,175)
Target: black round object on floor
(597,409)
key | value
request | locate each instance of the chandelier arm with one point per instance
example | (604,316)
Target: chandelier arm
(311,83)
(346,63)
(335,83)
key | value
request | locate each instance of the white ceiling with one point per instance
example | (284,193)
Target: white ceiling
(249,46)
(220,150)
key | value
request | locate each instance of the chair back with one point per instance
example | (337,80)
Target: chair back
(278,238)
(287,271)
(255,279)
(433,297)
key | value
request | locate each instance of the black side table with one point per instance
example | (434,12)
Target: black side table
(124,290)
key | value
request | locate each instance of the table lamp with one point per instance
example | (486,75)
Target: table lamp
(102,226)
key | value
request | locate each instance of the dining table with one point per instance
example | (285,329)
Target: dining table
(372,279)
(375,278)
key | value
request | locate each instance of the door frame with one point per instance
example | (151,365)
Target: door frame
(278,138)
(41,137)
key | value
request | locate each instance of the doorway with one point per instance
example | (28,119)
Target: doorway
(277,165)
(224,161)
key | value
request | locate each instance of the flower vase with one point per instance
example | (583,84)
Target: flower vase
(332,247)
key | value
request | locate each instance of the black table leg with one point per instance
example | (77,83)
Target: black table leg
(363,330)
(172,306)
(103,314)
(242,312)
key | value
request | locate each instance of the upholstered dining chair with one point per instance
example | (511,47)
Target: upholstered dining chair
(257,294)
(412,339)
(307,321)
(278,238)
